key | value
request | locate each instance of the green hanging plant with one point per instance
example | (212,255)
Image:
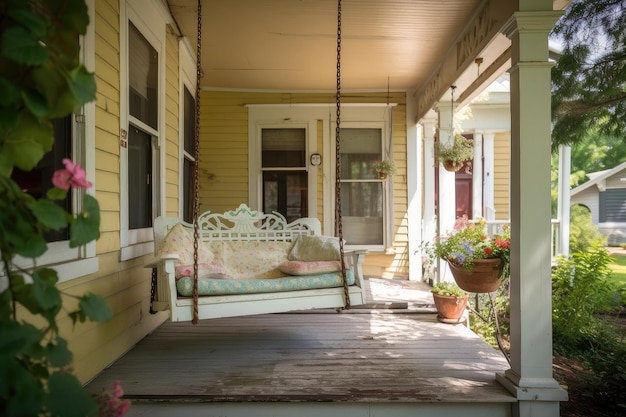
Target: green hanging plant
(453,156)
(384,168)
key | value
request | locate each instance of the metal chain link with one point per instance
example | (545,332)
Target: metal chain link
(338,225)
(153,289)
(196,190)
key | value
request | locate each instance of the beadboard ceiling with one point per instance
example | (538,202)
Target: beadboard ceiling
(290,45)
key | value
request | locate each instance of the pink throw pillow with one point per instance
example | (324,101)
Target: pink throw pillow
(310,267)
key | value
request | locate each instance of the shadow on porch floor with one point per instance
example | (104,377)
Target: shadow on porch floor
(388,355)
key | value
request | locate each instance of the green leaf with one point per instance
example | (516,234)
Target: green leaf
(56,193)
(17,338)
(82,84)
(35,102)
(34,247)
(49,214)
(6,167)
(68,398)
(10,93)
(58,355)
(20,388)
(74,16)
(47,295)
(36,24)
(52,82)
(95,308)
(23,294)
(28,142)
(86,226)
(21,46)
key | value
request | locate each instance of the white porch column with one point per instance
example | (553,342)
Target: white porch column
(530,377)
(489,209)
(429,226)
(563,214)
(477,177)
(446,206)
(414,188)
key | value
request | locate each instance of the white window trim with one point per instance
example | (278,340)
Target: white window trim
(271,116)
(150,17)
(69,262)
(288,115)
(383,125)
(187,76)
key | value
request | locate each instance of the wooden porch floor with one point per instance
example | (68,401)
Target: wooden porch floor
(381,355)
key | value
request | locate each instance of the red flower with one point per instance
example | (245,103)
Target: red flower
(502,243)
(488,251)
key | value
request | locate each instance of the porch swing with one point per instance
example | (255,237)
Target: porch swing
(312,283)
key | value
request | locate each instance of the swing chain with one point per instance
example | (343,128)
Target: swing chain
(346,290)
(196,202)
(153,285)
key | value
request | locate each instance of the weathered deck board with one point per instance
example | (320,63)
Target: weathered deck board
(374,357)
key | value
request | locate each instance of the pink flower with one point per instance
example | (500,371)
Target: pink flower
(118,391)
(73,175)
(110,402)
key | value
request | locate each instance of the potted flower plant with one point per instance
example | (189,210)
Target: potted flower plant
(477,261)
(384,168)
(450,301)
(453,156)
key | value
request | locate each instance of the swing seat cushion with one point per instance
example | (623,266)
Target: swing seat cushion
(179,241)
(212,286)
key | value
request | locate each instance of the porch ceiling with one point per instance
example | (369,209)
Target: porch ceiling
(287,45)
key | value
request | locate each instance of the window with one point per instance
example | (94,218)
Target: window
(143,105)
(362,193)
(38,181)
(189,154)
(613,205)
(285,178)
(73,138)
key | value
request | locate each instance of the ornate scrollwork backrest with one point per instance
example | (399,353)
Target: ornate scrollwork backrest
(244,223)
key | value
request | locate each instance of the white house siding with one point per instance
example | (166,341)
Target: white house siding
(589,198)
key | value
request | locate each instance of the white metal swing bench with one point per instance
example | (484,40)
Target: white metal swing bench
(244,277)
(246,254)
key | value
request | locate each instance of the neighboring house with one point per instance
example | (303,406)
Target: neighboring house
(135,142)
(604,195)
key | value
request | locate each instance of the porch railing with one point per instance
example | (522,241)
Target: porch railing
(495,227)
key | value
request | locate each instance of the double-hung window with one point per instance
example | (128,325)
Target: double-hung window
(142,131)
(285,176)
(189,154)
(143,104)
(363,198)
(73,139)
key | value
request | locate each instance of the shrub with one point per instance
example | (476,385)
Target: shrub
(580,290)
(583,234)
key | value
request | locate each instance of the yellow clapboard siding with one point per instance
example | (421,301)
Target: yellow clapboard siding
(107,243)
(109,221)
(108,201)
(106,159)
(109,123)
(224,151)
(107,181)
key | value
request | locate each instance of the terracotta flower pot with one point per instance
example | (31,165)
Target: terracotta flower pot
(452,166)
(450,308)
(486,275)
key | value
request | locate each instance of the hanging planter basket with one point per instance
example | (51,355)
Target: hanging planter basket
(450,308)
(452,166)
(486,275)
